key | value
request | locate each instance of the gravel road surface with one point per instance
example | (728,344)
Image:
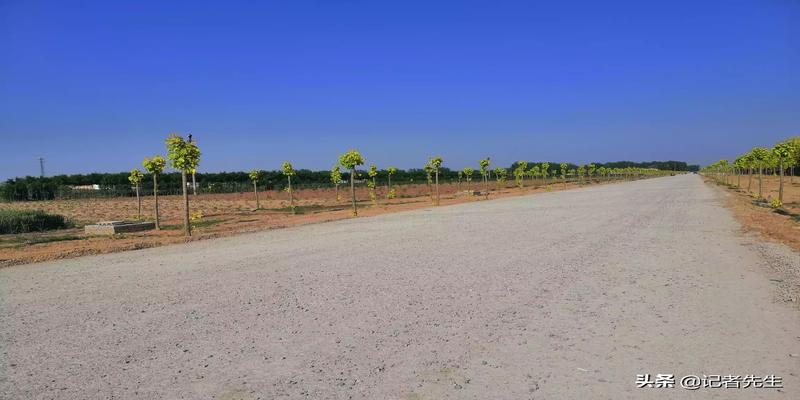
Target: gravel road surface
(561,295)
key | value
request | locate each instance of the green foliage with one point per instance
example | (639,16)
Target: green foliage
(287,169)
(776,203)
(500,174)
(436,162)
(136,176)
(484,166)
(519,172)
(23,221)
(183,155)
(391,170)
(255,175)
(351,159)
(336,175)
(782,150)
(563,168)
(468,172)
(545,169)
(154,165)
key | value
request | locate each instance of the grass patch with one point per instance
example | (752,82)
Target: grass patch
(19,221)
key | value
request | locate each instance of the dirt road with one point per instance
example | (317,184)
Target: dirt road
(564,295)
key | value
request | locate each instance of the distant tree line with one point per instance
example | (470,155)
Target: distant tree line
(117,184)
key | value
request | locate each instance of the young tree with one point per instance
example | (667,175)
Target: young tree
(563,168)
(581,173)
(135,179)
(484,168)
(155,166)
(184,156)
(761,160)
(350,161)
(336,180)
(545,171)
(534,173)
(781,151)
(255,176)
(428,168)
(391,171)
(468,172)
(289,172)
(500,175)
(519,173)
(372,172)
(590,171)
(460,177)
(436,164)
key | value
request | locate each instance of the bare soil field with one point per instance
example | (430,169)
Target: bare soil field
(757,217)
(223,215)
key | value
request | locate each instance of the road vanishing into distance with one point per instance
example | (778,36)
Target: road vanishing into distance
(560,295)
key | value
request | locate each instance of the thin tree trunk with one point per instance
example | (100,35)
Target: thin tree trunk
(353,190)
(390,187)
(337,193)
(187,227)
(780,184)
(194,185)
(437,186)
(255,190)
(750,180)
(139,202)
(291,196)
(760,173)
(155,198)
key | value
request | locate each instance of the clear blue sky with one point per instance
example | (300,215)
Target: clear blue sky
(97,85)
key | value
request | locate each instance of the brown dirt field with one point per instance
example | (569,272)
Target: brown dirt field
(223,215)
(764,220)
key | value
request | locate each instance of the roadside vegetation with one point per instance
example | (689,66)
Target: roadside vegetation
(766,187)
(24,221)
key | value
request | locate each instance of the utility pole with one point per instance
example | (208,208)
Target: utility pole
(41,167)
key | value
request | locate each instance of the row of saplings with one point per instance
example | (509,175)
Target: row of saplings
(785,155)
(184,156)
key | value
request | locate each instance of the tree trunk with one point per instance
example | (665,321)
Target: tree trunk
(390,186)
(255,190)
(291,196)
(437,187)
(155,198)
(760,173)
(353,190)
(749,180)
(780,180)
(139,202)
(338,198)
(187,227)
(194,185)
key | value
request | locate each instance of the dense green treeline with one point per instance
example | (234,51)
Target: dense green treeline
(117,184)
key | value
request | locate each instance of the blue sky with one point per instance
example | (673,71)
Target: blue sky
(96,86)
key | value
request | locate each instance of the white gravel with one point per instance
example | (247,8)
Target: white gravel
(563,295)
